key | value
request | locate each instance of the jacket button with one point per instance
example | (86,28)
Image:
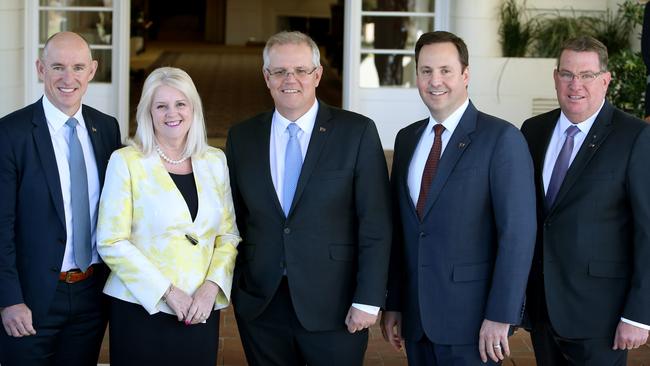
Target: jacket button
(422,235)
(287,230)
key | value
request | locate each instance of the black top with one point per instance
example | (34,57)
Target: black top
(187,186)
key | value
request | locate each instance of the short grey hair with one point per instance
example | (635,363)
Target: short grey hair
(144,139)
(294,37)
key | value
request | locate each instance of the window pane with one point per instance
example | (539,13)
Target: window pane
(95,26)
(399,33)
(399,5)
(103,3)
(387,70)
(104,60)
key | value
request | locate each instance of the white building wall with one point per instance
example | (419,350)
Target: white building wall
(11,56)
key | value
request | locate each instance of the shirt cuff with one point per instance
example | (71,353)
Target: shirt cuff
(374,310)
(639,325)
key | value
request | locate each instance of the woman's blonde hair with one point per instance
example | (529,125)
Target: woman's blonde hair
(144,138)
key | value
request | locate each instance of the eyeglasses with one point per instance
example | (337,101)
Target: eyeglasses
(583,77)
(298,73)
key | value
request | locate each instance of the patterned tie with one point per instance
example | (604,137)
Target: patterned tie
(430,169)
(561,166)
(79,200)
(292,167)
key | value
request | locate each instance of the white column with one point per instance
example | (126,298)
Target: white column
(477,23)
(11,54)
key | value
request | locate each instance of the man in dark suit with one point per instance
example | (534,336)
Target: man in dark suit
(464,209)
(589,288)
(311,193)
(51,173)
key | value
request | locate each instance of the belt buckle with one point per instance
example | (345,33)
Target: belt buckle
(68,277)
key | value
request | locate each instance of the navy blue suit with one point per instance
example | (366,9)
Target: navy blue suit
(32,221)
(468,258)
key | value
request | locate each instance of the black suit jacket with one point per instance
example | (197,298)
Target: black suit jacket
(593,244)
(32,221)
(335,241)
(469,257)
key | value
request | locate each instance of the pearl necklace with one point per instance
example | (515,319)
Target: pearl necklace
(167,159)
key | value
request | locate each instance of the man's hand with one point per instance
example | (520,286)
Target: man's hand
(17,320)
(391,328)
(629,336)
(359,320)
(493,341)
(202,303)
(179,302)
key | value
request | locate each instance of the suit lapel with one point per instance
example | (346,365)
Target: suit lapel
(455,148)
(409,144)
(95,138)
(538,150)
(259,149)
(319,135)
(597,134)
(43,143)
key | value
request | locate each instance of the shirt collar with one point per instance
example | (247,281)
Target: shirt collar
(451,122)
(583,126)
(55,118)
(305,122)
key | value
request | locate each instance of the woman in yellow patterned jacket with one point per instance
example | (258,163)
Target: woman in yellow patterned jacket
(167,231)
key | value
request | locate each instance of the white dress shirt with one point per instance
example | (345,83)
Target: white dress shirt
(60,133)
(421,153)
(553,150)
(277,149)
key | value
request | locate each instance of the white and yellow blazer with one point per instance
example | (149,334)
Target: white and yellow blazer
(143,222)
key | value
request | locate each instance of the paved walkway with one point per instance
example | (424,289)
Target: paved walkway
(381,354)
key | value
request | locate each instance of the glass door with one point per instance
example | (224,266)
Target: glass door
(379,70)
(100,23)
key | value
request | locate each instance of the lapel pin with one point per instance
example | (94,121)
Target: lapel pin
(94,129)
(322,129)
(591,146)
(461,145)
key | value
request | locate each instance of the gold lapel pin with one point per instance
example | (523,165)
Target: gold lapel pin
(322,129)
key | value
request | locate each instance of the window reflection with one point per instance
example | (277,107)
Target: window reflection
(96,27)
(402,70)
(103,3)
(398,5)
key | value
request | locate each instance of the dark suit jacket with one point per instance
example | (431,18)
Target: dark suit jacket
(336,240)
(593,244)
(469,258)
(32,221)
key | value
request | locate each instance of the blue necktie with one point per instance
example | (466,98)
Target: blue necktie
(292,167)
(561,166)
(79,200)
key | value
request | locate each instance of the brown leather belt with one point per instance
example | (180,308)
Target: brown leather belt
(75,275)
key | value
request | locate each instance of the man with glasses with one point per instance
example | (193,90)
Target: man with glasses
(589,288)
(310,188)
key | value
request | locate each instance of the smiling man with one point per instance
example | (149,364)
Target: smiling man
(589,289)
(310,188)
(464,221)
(53,156)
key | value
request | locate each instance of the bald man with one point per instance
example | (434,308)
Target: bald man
(53,157)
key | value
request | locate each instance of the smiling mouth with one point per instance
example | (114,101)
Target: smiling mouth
(67,90)
(437,93)
(290,91)
(173,123)
(576,97)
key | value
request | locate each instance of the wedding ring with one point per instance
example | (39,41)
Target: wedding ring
(497,346)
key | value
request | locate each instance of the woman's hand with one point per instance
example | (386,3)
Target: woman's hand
(178,301)
(202,303)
